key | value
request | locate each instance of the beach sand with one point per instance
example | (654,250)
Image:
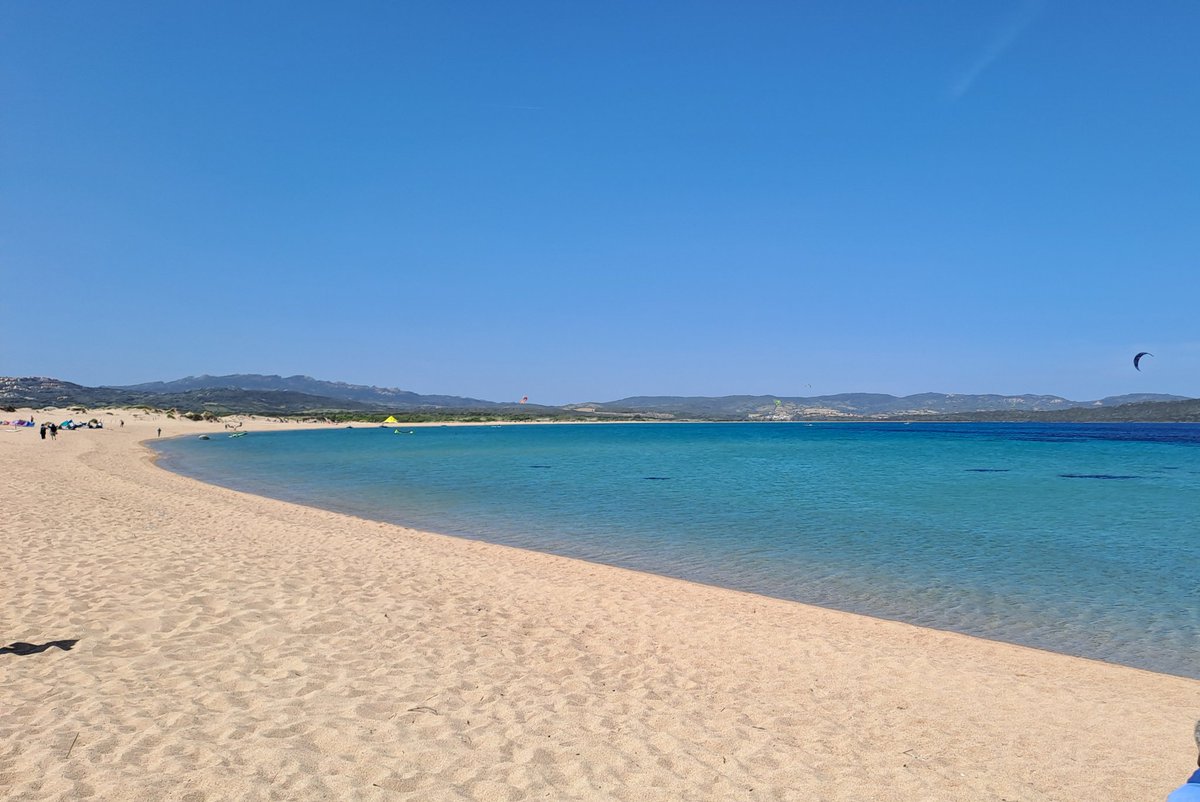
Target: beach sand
(235,647)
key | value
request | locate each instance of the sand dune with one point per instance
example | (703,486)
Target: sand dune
(234,647)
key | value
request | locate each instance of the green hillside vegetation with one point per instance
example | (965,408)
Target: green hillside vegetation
(1187,411)
(450,416)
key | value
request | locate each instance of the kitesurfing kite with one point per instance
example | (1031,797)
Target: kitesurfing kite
(524,400)
(1138,359)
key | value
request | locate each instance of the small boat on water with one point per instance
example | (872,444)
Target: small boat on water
(239,434)
(205,437)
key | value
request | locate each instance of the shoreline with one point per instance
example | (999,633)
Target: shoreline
(1121,641)
(154,458)
(234,645)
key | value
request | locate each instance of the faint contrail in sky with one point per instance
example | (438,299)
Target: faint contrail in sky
(1000,43)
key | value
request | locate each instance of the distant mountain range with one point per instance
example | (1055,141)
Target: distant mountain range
(384,397)
(855,405)
(303,395)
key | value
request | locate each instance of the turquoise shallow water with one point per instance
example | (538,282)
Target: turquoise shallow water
(1079,539)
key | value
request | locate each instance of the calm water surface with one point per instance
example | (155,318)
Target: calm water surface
(1080,539)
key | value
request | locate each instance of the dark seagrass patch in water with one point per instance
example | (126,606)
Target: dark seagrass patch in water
(1096,476)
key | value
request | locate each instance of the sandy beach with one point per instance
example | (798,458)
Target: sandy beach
(226,646)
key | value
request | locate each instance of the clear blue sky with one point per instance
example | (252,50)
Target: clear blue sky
(588,200)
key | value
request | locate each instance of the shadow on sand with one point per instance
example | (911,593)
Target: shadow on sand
(23,649)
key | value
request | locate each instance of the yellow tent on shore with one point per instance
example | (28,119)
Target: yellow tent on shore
(391,419)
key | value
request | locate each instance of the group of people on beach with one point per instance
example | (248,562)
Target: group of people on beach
(53,428)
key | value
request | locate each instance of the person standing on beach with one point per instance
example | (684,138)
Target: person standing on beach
(160,431)
(43,431)
(54,431)
(1190,790)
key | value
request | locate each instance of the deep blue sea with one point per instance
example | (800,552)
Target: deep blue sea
(1083,539)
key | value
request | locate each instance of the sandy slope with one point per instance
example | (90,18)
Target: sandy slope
(233,647)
